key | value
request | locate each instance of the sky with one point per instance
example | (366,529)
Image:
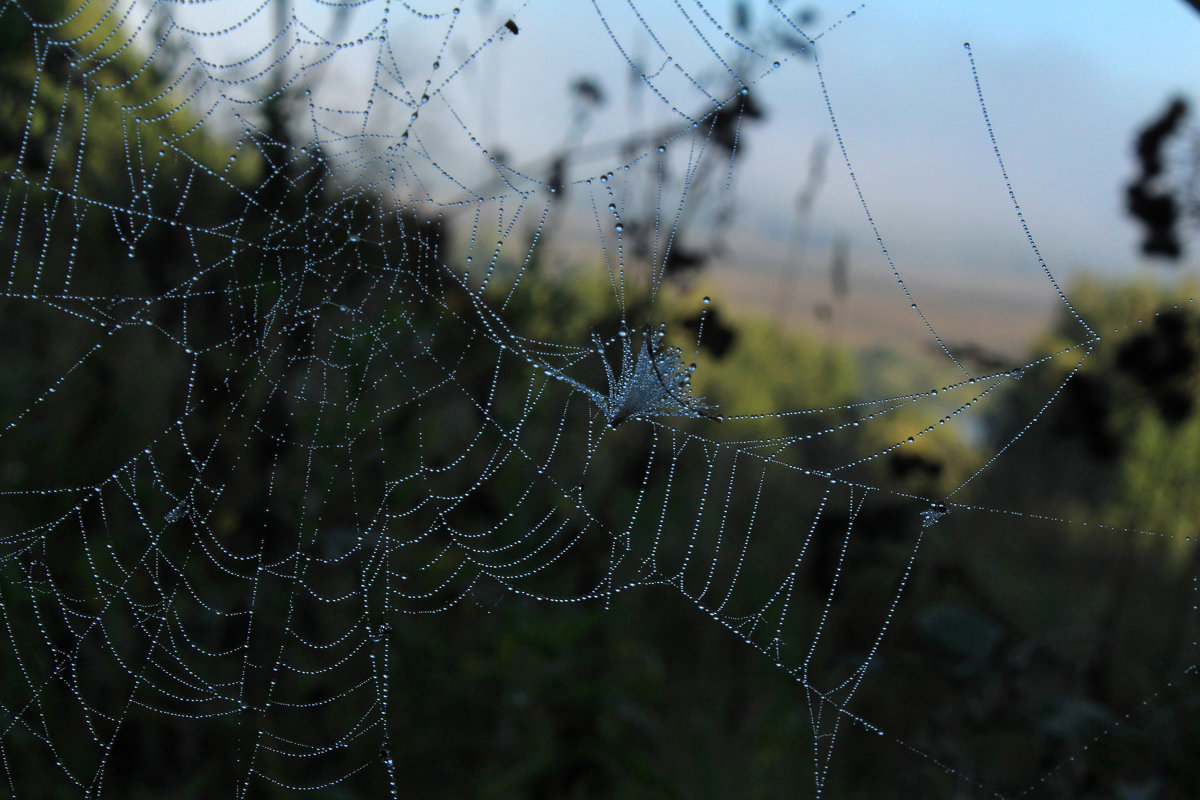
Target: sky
(1066,84)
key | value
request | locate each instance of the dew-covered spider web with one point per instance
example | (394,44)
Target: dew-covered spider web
(333,330)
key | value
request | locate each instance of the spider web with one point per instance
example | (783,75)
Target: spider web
(280,395)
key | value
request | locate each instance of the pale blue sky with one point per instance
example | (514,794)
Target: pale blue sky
(1067,85)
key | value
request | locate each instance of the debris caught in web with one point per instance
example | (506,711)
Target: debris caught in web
(653,383)
(931,515)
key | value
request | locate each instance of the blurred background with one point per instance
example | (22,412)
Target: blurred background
(296,493)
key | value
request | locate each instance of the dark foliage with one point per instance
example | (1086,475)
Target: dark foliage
(1156,207)
(717,337)
(1161,361)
